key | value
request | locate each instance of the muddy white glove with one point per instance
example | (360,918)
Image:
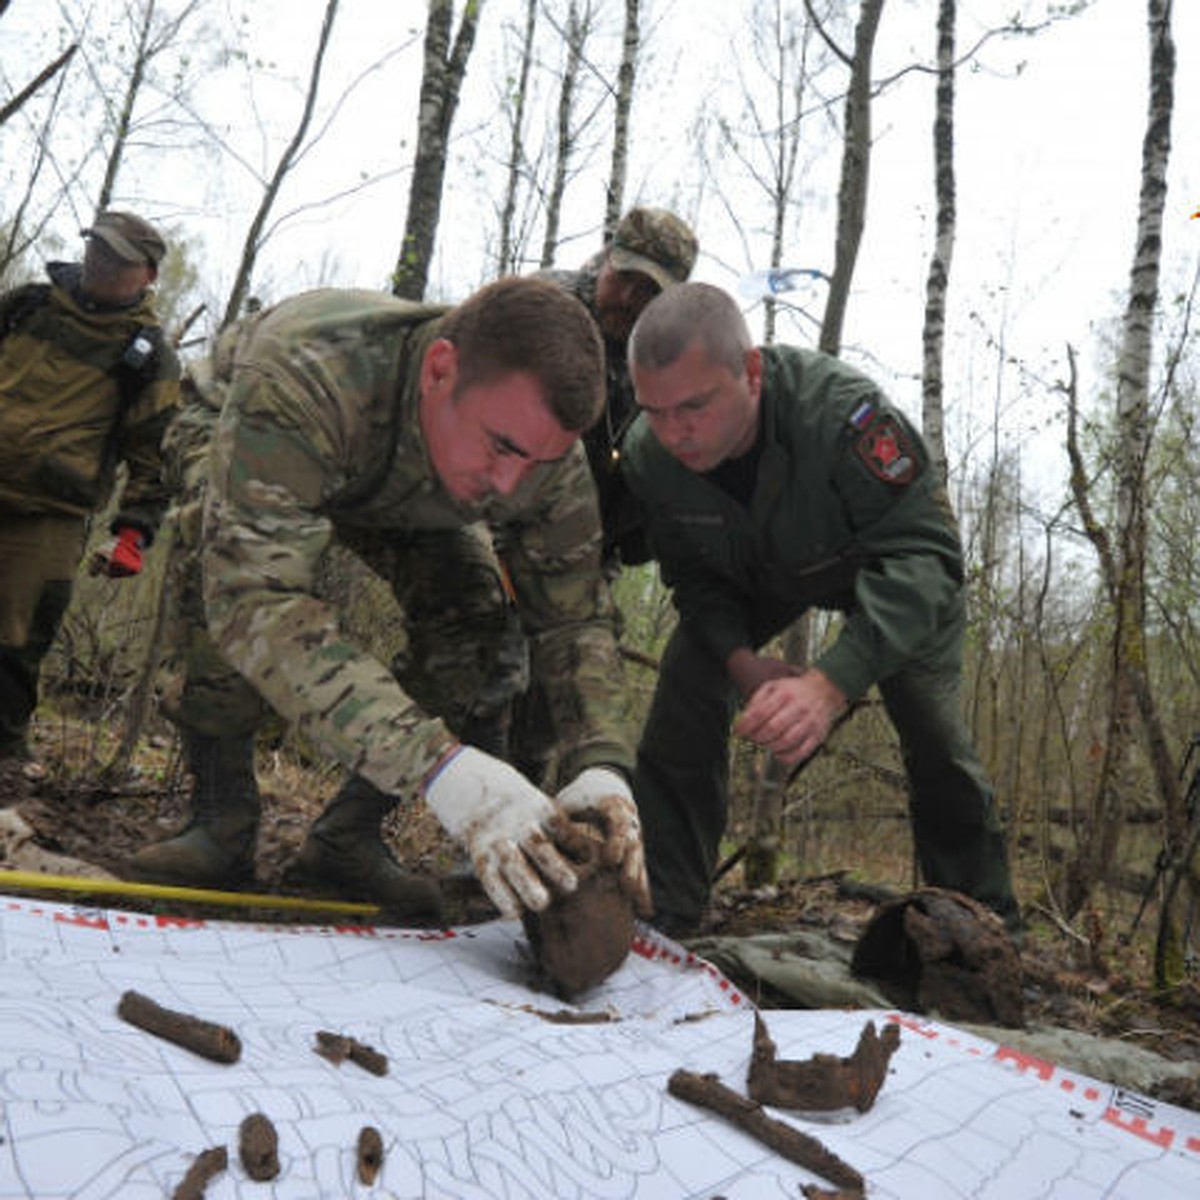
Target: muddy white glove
(605,793)
(504,823)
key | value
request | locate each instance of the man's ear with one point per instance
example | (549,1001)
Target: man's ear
(753,361)
(439,369)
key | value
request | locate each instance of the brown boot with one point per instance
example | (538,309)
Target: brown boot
(344,848)
(217,847)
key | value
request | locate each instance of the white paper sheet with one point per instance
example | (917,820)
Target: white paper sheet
(487,1098)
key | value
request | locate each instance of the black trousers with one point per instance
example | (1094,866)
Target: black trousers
(682,779)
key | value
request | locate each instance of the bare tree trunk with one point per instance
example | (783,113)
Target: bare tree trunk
(852,190)
(516,146)
(39,80)
(934,332)
(626,77)
(441,84)
(254,235)
(137,76)
(1123,556)
(761,864)
(578,30)
(149,45)
(852,204)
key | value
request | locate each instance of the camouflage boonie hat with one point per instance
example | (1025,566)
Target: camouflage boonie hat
(656,243)
(130,238)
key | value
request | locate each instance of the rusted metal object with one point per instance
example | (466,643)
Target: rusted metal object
(937,950)
(823,1083)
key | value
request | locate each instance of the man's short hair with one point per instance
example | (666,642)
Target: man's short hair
(133,240)
(692,312)
(527,325)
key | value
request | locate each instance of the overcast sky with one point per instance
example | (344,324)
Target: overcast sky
(1048,147)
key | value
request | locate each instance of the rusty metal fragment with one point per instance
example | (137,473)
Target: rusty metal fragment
(825,1082)
(936,950)
(709,1092)
(338,1047)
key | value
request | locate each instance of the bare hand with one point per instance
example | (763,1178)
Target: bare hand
(791,716)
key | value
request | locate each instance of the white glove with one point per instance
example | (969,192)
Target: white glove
(503,821)
(605,793)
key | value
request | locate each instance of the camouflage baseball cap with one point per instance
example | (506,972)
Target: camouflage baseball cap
(656,243)
(129,237)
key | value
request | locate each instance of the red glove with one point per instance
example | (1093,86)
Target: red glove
(122,556)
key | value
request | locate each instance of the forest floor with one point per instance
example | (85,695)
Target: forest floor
(1090,977)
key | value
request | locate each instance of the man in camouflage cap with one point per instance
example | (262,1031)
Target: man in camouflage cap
(651,249)
(87,382)
(398,431)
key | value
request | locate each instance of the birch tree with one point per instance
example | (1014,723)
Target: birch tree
(623,109)
(934,331)
(445,65)
(517,159)
(575,35)
(1121,550)
(851,218)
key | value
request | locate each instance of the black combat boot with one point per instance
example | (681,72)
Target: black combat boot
(217,847)
(345,848)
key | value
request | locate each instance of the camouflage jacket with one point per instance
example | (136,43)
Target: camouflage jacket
(624,538)
(319,436)
(844,514)
(64,423)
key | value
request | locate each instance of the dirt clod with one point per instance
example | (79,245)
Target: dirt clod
(258,1147)
(369,1153)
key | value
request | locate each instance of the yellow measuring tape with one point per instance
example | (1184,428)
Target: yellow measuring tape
(40,882)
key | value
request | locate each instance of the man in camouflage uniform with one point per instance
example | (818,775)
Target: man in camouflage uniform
(394,429)
(86,383)
(776,480)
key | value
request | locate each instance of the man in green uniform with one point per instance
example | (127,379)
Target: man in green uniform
(86,382)
(776,480)
(395,430)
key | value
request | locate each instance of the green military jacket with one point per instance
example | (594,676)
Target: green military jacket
(845,514)
(64,425)
(319,437)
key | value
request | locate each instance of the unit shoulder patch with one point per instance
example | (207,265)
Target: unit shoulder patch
(887,450)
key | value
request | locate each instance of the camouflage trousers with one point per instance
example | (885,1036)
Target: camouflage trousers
(431,603)
(40,555)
